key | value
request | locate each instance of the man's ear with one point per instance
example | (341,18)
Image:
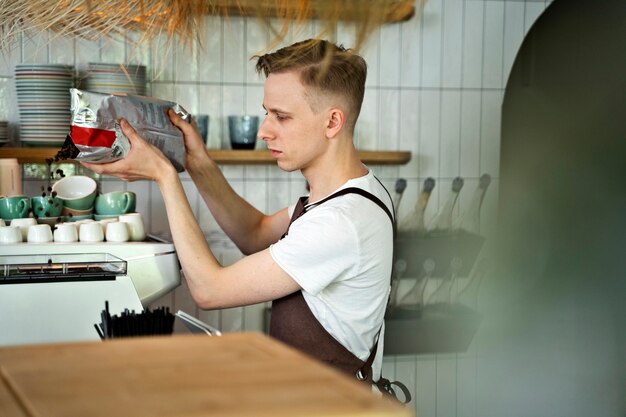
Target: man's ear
(334,122)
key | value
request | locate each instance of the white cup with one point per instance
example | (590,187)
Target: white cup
(104,224)
(136,229)
(77,223)
(39,233)
(24,224)
(10,234)
(117,232)
(65,232)
(90,232)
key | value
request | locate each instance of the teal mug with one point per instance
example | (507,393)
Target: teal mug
(78,192)
(14,207)
(46,206)
(115,202)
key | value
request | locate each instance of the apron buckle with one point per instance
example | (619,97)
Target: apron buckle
(360,375)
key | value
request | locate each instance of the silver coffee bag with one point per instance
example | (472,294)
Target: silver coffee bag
(96,133)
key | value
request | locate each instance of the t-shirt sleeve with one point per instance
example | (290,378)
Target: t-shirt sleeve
(321,248)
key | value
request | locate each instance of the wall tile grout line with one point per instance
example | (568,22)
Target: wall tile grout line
(463,11)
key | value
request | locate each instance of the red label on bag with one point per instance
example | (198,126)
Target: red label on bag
(88,136)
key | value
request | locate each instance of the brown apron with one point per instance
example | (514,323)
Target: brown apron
(293,323)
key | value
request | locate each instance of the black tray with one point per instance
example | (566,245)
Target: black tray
(434,328)
(441,248)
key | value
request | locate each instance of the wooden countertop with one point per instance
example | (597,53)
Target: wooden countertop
(238,374)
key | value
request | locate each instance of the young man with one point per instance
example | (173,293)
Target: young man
(328,271)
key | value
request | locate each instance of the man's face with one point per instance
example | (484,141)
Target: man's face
(295,135)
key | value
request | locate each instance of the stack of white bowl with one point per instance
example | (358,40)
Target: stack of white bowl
(116,78)
(4,132)
(43,99)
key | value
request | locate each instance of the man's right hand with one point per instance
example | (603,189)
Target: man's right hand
(195,150)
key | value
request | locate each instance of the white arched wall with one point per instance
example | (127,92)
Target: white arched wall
(555,338)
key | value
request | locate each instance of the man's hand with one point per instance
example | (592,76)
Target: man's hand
(195,150)
(143,162)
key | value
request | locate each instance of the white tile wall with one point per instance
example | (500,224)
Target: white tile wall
(435,88)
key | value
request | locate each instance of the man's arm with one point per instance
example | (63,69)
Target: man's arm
(249,228)
(256,278)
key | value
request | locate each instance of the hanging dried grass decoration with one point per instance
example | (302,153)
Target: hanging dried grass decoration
(183,19)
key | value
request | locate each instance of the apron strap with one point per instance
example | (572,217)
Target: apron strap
(361,192)
(386,387)
(301,208)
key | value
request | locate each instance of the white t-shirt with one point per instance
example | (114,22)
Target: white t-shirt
(340,253)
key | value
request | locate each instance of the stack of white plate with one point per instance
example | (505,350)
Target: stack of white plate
(43,99)
(116,78)
(4,132)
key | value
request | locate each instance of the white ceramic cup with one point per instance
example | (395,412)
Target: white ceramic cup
(65,232)
(90,232)
(104,224)
(117,232)
(136,228)
(77,223)
(24,224)
(10,234)
(39,233)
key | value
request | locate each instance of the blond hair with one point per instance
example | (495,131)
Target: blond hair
(328,68)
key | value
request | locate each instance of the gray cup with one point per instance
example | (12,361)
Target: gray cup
(202,122)
(243,130)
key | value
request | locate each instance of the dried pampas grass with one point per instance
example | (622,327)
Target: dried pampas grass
(182,19)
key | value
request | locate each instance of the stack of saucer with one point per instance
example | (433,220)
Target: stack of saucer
(4,132)
(116,78)
(43,99)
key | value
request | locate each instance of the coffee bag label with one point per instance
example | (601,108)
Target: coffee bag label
(98,137)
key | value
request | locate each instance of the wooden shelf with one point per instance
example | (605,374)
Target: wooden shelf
(401,11)
(221,156)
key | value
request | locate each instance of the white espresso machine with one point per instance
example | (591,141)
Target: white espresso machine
(56,292)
